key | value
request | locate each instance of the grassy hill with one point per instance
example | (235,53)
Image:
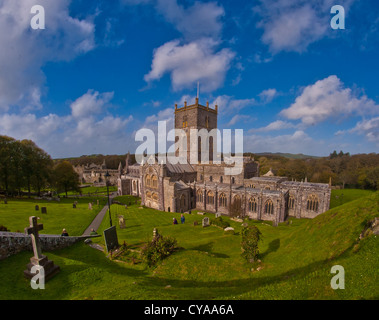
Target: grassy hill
(296,256)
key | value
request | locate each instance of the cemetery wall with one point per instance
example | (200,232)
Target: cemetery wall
(12,243)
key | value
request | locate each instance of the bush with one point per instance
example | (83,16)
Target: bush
(250,238)
(220,222)
(2,228)
(158,249)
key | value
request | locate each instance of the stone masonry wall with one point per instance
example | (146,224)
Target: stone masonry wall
(12,243)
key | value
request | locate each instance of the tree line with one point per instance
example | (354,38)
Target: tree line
(344,170)
(27,169)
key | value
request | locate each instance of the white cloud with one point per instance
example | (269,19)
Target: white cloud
(90,103)
(87,130)
(24,51)
(298,142)
(202,19)
(369,128)
(328,98)
(228,105)
(238,118)
(199,20)
(268,95)
(274,126)
(292,25)
(191,62)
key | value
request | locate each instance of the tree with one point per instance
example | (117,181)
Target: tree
(65,178)
(249,245)
(5,167)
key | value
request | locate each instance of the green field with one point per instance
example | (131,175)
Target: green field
(342,196)
(92,191)
(15,215)
(296,260)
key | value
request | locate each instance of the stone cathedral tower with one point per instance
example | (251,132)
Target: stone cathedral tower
(196,116)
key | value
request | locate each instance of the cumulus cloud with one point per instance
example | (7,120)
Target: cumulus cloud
(292,25)
(90,103)
(268,95)
(191,62)
(202,19)
(274,126)
(198,20)
(24,51)
(88,129)
(238,118)
(297,142)
(328,98)
(229,105)
(368,128)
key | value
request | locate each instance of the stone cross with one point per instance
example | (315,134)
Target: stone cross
(33,232)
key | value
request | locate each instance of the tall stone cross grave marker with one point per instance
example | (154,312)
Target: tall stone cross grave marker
(38,259)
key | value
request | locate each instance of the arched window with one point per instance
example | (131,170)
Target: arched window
(154,181)
(210,178)
(199,196)
(269,207)
(291,202)
(148,180)
(185,122)
(312,203)
(201,177)
(182,201)
(267,188)
(210,198)
(221,179)
(233,180)
(253,205)
(223,202)
(154,197)
(148,195)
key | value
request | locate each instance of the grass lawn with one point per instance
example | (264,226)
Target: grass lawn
(342,196)
(15,215)
(92,191)
(296,260)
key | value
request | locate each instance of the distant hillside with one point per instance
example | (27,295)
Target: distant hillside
(288,155)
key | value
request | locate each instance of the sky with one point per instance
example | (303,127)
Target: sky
(101,70)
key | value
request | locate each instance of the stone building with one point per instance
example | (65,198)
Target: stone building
(93,173)
(205,187)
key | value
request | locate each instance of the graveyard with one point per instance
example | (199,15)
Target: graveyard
(295,257)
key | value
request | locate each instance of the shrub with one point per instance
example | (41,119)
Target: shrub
(220,222)
(250,238)
(158,249)
(2,228)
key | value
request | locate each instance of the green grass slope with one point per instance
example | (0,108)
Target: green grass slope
(296,260)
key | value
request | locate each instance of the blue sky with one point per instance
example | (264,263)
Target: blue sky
(101,70)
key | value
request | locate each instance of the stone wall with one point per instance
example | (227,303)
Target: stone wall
(12,243)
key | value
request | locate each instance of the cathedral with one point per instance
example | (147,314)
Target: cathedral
(205,187)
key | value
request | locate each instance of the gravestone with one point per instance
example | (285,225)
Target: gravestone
(201,213)
(89,206)
(74,205)
(156,235)
(110,237)
(44,210)
(205,222)
(121,222)
(37,207)
(218,214)
(38,259)
(195,223)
